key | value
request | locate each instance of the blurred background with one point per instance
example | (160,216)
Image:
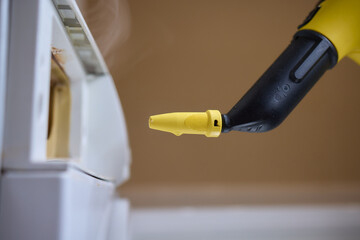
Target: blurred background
(195,55)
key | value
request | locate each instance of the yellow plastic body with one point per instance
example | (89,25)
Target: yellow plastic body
(207,123)
(339,21)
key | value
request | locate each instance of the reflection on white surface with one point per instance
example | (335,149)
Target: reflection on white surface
(248,222)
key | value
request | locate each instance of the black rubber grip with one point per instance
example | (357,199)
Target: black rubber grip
(271,99)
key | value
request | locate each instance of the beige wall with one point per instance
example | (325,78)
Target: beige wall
(194,55)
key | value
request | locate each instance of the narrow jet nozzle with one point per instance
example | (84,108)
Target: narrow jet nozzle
(207,123)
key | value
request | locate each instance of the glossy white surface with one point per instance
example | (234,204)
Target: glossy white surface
(107,150)
(58,199)
(56,205)
(119,221)
(26,113)
(98,136)
(315,222)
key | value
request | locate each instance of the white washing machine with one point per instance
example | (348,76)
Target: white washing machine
(64,145)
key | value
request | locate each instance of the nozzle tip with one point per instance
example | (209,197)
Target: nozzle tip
(207,123)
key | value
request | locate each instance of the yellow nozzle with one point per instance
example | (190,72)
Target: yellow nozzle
(207,123)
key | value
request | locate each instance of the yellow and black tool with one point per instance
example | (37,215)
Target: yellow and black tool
(328,34)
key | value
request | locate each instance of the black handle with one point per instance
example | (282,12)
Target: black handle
(271,99)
